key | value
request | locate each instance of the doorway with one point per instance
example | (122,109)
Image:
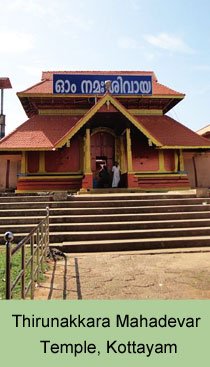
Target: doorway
(102,152)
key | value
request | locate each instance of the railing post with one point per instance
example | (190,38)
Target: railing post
(23,270)
(8,238)
(32,266)
(42,247)
(38,254)
(39,242)
(47,240)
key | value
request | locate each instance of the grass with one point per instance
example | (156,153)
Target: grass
(15,269)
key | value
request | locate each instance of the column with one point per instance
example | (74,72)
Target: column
(161,161)
(41,162)
(122,155)
(129,152)
(87,181)
(176,158)
(132,180)
(87,158)
(23,163)
(181,160)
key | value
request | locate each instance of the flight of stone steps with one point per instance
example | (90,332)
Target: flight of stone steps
(111,222)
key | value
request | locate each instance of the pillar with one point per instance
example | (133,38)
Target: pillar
(122,155)
(180,165)
(87,181)
(161,161)
(87,156)
(131,179)
(129,152)
(23,163)
(41,162)
(181,160)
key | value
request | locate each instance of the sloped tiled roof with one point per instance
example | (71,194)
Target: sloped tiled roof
(5,83)
(49,74)
(171,133)
(39,132)
(46,85)
(204,130)
(52,131)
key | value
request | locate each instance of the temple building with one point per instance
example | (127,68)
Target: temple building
(79,121)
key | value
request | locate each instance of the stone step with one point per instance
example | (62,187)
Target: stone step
(129,217)
(132,202)
(128,234)
(104,226)
(96,197)
(24,198)
(20,218)
(104,210)
(112,221)
(127,196)
(125,191)
(119,234)
(103,203)
(132,244)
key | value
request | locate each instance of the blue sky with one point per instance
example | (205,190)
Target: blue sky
(170,38)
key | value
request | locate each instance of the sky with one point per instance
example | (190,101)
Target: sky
(171,38)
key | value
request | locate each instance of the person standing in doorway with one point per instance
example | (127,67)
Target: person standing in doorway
(116,174)
(104,177)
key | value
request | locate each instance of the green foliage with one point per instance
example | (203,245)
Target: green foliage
(15,269)
(2,273)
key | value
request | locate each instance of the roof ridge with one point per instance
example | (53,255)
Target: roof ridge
(204,129)
(47,75)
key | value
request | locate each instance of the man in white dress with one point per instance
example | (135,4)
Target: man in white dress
(116,174)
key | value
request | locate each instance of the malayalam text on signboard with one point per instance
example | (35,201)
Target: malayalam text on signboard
(96,84)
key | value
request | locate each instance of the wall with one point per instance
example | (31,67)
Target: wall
(65,159)
(33,162)
(145,158)
(3,170)
(197,166)
(9,168)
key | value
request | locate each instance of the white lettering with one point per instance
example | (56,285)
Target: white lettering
(119,85)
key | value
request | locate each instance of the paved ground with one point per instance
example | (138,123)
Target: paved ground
(173,274)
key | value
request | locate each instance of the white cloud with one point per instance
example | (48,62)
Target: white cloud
(35,7)
(168,42)
(78,21)
(31,70)
(15,42)
(127,43)
(58,13)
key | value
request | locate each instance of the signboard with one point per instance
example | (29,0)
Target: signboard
(99,84)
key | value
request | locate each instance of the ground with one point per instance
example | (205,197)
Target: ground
(161,274)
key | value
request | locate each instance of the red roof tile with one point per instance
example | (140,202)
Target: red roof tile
(204,130)
(46,132)
(5,83)
(39,132)
(46,85)
(171,133)
(48,75)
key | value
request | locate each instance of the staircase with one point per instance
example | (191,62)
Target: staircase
(111,222)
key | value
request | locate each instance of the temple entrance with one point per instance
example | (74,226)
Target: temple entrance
(102,153)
